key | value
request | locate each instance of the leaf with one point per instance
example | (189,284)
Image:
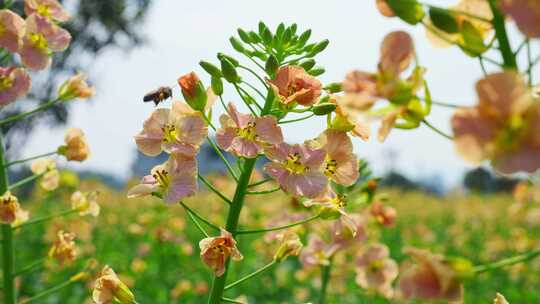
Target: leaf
(409,11)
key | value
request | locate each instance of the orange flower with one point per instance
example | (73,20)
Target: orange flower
(429,278)
(76,147)
(503,127)
(216,250)
(63,249)
(294,84)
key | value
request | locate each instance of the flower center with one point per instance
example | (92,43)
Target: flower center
(294,165)
(339,201)
(220,250)
(6,82)
(38,41)
(248,132)
(44,10)
(510,136)
(330,167)
(169,133)
(375,266)
(162,178)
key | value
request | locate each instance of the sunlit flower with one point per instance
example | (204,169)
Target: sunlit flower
(41,39)
(76,87)
(375,270)
(297,168)
(333,208)
(9,208)
(244,135)
(64,250)
(85,203)
(11,30)
(179,130)
(500,299)
(216,250)
(108,289)
(429,278)
(76,147)
(317,252)
(383,215)
(290,246)
(340,164)
(526,14)
(46,167)
(14,84)
(47,8)
(503,127)
(350,237)
(294,84)
(173,180)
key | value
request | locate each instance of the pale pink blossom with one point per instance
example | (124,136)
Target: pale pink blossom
(76,147)
(294,84)
(344,237)
(244,135)
(216,250)
(297,169)
(429,277)
(526,14)
(173,180)
(290,246)
(76,87)
(42,38)
(333,208)
(375,270)
(14,84)
(504,127)
(317,252)
(340,164)
(177,130)
(47,8)
(11,30)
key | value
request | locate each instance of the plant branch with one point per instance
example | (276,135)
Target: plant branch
(259,182)
(507,262)
(223,158)
(309,219)
(45,218)
(20,161)
(26,180)
(213,189)
(437,130)
(296,119)
(200,217)
(26,114)
(263,191)
(251,275)
(8,259)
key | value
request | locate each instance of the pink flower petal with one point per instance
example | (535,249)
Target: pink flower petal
(245,148)
(473,134)
(224,138)
(268,131)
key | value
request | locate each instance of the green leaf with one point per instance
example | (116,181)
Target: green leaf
(303,39)
(443,20)
(473,40)
(319,47)
(211,69)
(317,71)
(237,45)
(222,56)
(308,64)
(409,11)
(244,36)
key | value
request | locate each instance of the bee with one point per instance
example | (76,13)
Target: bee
(158,95)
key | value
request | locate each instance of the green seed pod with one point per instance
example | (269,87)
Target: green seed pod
(217,86)
(271,66)
(237,45)
(322,109)
(229,71)
(316,71)
(211,69)
(334,87)
(319,47)
(308,64)
(234,62)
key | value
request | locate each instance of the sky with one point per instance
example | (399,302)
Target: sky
(180,34)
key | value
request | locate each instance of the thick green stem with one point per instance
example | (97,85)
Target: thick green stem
(232,224)
(325,279)
(8,259)
(502,36)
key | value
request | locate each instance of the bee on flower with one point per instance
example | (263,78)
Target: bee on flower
(216,250)
(244,135)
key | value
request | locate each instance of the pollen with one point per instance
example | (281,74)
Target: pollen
(44,10)
(330,167)
(38,41)
(162,178)
(169,133)
(6,82)
(294,165)
(339,201)
(248,132)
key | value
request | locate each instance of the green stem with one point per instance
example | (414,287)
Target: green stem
(213,189)
(251,275)
(229,300)
(279,227)
(48,292)
(502,37)
(432,127)
(254,89)
(208,121)
(241,94)
(260,182)
(296,119)
(20,161)
(482,65)
(36,264)
(200,217)
(8,259)
(25,181)
(507,262)
(325,279)
(247,93)
(529,63)
(218,284)
(26,114)
(45,218)
(263,191)
(197,224)
(223,158)
(459,12)
(255,74)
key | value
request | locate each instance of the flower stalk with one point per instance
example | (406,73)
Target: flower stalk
(522,258)
(502,36)
(251,275)
(325,280)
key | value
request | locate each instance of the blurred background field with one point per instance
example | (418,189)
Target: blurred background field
(155,248)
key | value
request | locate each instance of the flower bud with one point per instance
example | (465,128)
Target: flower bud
(237,45)
(271,66)
(462,267)
(334,87)
(244,36)
(321,109)
(319,47)
(291,246)
(229,71)
(217,86)
(75,87)
(193,91)
(317,71)
(211,69)
(308,64)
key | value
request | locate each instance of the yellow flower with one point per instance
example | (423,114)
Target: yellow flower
(47,168)
(85,203)
(76,147)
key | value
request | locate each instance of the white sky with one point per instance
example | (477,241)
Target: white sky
(182,33)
